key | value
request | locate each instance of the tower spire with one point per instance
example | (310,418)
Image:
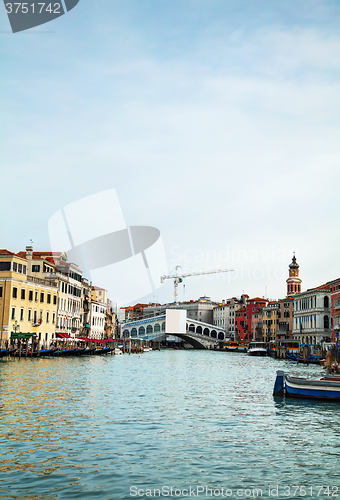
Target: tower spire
(293,282)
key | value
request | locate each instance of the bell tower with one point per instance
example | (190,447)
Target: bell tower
(293,282)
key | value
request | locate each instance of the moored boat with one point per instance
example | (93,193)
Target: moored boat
(257,349)
(324,388)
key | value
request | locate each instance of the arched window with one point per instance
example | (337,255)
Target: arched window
(213,334)
(191,328)
(326,321)
(133,332)
(163,326)
(221,336)
(325,301)
(149,329)
(141,330)
(199,329)
(157,327)
(206,332)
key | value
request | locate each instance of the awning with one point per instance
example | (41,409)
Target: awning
(19,335)
(63,335)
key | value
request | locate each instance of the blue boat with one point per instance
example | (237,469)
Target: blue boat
(324,388)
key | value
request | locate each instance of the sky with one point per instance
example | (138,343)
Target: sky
(216,122)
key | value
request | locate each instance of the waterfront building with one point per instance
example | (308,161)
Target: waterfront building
(312,315)
(85,309)
(97,323)
(241,324)
(286,318)
(28,304)
(270,319)
(198,310)
(134,313)
(335,305)
(224,314)
(68,276)
(254,318)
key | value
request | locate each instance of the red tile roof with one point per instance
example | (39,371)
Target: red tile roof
(6,252)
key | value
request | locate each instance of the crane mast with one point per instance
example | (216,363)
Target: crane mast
(179,278)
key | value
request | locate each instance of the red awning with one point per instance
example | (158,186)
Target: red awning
(63,335)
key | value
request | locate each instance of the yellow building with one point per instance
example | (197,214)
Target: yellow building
(270,319)
(27,304)
(99,295)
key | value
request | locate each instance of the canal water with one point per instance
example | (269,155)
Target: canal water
(135,426)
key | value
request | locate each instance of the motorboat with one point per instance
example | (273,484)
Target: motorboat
(257,349)
(325,387)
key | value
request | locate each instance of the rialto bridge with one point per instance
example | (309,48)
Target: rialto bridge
(174,322)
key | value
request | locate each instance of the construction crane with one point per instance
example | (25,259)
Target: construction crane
(179,278)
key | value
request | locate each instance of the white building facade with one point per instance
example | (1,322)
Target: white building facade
(97,324)
(312,315)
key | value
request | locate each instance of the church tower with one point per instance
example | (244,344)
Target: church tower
(293,282)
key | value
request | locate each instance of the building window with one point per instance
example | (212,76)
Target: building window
(13,312)
(41,296)
(29,315)
(30,295)
(325,322)
(15,292)
(22,314)
(53,318)
(24,269)
(23,294)
(5,266)
(48,298)
(0,292)
(55,300)
(15,266)
(35,269)
(36,295)
(47,317)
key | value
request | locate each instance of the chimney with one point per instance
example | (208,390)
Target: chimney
(223,302)
(29,252)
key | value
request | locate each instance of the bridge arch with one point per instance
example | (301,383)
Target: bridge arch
(191,328)
(206,332)
(213,334)
(199,329)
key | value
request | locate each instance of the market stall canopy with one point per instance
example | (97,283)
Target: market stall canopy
(63,335)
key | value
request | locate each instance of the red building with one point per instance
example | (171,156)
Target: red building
(241,324)
(254,313)
(335,304)
(248,320)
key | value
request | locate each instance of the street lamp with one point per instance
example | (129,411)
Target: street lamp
(16,327)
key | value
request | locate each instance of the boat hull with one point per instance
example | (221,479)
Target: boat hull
(257,352)
(321,388)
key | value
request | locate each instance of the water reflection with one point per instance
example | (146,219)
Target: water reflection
(81,428)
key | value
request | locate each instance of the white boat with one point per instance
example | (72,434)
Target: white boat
(257,349)
(147,349)
(117,351)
